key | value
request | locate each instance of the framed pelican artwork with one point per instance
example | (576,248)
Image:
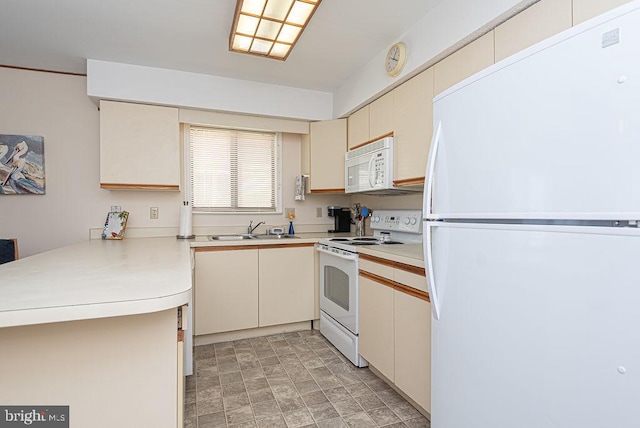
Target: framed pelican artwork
(22,165)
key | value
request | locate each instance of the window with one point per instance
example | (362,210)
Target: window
(234,170)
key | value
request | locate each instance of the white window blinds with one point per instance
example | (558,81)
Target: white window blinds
(233,170)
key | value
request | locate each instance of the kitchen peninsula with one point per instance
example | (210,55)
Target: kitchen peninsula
(93,325)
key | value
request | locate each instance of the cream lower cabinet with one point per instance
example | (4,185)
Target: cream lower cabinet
(226,290)
(286,284)
(412,329)
(395,325)
(375,322)
(243,287)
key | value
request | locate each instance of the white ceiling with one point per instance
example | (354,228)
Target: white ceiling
(192,35)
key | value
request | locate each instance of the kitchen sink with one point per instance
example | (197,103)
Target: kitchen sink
(230,237)
(243,236)
(275,236)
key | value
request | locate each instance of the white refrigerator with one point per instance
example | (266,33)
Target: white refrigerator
(532,237)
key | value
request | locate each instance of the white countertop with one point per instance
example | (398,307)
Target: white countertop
(410,254)
(96,279)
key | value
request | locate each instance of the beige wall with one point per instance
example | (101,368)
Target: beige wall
(57,107)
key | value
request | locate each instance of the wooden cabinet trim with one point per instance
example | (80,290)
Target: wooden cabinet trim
(226,248)
(378,260)
(409,182)
(252,247)
(422,295)
(271,246)
(118,186)
(390,134)
(377,278)
(320,191)
(397,265)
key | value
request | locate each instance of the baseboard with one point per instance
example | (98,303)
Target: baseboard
(254,332)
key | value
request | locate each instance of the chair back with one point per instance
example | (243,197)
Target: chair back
(8,250)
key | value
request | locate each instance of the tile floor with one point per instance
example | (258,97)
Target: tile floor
(289,380)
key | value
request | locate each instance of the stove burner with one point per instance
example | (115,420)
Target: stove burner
(340,239)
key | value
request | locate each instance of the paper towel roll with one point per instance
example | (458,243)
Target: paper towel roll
(186,225)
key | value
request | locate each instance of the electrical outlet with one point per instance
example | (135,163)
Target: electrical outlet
(288,211)
(115,208)
(153,213)
(318,212)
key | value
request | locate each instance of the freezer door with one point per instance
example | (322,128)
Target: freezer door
(538,327)
(553,132)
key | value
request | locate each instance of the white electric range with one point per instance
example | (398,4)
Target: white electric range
(339,275)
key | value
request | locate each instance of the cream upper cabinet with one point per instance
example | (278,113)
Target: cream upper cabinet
(381,117)
(286,284)
(328,144)
(226,290)
(536,23)
(358,127)
(584,10)
(413,347)
(412,120)
(139,146)
(463,63)
(375,321)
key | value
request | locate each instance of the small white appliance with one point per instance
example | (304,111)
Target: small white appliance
(339,275)
(369,169)
(532,237)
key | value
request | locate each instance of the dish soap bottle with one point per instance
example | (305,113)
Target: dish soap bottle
(291,217)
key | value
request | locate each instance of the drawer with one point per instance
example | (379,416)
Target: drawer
(411,279)
(376,268)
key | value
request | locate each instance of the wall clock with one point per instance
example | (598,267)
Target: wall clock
(396,58)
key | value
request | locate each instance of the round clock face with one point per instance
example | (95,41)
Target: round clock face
(396,58)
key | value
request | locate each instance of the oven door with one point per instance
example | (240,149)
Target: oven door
(339,287)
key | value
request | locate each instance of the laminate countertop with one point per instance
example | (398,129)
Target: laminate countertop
(406,253)
(96,279)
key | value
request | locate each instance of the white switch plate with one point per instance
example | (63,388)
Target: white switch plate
(318,212)
(153,213)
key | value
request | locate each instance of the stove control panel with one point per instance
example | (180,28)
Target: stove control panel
(409,221)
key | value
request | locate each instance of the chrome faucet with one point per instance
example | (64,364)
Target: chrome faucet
(251,229)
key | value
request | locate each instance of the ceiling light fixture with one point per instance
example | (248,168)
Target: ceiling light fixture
(270,28)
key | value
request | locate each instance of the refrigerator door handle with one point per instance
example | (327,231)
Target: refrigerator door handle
(431,281)
(431,163)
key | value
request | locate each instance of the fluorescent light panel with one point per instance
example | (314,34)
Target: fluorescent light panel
(270,28)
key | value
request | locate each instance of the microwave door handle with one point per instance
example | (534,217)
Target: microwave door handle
(342,256)
(371,172)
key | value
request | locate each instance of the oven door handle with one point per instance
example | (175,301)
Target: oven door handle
(342,256)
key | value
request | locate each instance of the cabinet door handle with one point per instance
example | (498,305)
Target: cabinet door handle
(342,256)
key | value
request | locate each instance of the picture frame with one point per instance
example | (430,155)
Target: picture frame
(22,165)
(115,225)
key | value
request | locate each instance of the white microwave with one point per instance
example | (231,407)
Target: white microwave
(369,168)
